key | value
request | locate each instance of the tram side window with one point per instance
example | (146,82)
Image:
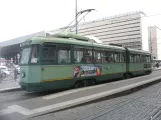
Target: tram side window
(97,56)
(117,57)
(143,58)
(49,54)
(131,58)
(78,55)
(147,59)
(35,54)
(138,58)
(87,56)
(150,58)
(111,56)
(122,57)
(64,55)
(104,56)
(135,59)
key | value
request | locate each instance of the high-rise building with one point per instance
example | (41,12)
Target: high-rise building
(154,38)
(126,30)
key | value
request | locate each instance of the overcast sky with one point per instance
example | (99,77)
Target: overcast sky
(22,17)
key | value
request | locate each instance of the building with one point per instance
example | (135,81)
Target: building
(10,49)
(154,38)
(126,30)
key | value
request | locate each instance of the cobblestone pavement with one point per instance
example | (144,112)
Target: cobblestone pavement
(140,105)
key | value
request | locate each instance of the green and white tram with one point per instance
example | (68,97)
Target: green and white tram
(66,60)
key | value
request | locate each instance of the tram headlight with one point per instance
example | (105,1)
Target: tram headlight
(23,74)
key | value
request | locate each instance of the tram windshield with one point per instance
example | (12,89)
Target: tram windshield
(33,51)
(25,55)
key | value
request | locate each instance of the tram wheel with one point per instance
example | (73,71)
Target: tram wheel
(85,83)
(77,84)
(92,82)
(126,76)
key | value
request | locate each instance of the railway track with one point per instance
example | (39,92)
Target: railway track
(140,105)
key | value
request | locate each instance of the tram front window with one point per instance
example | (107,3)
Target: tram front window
(25,55)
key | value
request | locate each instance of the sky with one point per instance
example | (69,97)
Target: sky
(23,17)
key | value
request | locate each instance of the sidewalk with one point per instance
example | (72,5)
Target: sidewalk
(9,85)
(157,68)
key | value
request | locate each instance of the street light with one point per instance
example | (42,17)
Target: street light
(76,16)
(79,13)
(0,52)
(75,21)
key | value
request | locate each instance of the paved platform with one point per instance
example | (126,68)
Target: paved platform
(157,68)
(139,105)
(45,104)
(9,83)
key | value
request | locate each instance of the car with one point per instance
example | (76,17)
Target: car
(4,71)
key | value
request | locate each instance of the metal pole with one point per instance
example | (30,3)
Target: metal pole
(76,19)
(0,54)
(150,43)
(0,64)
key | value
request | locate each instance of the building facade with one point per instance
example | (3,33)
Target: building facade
(10,49)
(154,38)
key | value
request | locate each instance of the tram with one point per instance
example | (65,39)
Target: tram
(65,60)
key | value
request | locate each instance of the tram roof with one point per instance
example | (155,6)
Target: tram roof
(138,51)
(41,40)
(76,39)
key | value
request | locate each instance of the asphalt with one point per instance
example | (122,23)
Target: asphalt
(36,106)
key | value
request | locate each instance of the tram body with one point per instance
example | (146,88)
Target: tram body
(68,60)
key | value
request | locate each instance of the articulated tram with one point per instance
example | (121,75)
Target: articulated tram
(65,60)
